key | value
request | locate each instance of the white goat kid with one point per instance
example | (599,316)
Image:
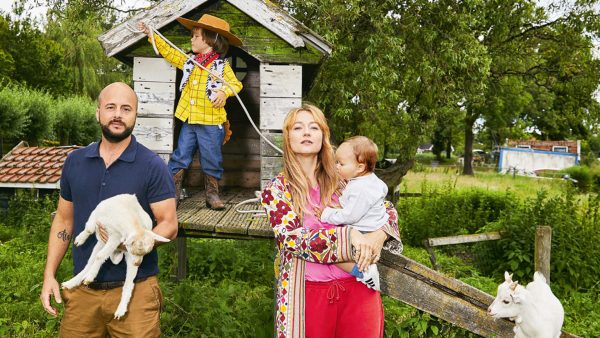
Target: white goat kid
(536,311)
(125,222)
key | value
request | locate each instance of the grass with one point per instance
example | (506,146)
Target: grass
(417,181)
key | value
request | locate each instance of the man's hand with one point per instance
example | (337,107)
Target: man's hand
(104,236)
(50,288)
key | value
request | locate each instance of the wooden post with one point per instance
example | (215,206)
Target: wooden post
(543,243)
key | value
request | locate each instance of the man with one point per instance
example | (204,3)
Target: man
(115,165)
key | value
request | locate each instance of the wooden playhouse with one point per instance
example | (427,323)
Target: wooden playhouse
(277,64)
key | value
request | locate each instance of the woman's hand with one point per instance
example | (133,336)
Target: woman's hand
(378,238)
(363,249)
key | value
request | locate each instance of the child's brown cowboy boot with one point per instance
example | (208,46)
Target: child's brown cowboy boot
(212,193)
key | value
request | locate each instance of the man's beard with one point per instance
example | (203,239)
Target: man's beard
(113,137)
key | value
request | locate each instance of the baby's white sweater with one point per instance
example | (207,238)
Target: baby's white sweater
(362,205)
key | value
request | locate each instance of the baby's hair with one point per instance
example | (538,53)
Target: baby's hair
(217,41)
(365,151)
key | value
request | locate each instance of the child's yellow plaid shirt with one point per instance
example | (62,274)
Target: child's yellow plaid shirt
(194,106)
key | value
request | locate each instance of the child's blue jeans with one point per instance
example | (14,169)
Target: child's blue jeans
(208,139)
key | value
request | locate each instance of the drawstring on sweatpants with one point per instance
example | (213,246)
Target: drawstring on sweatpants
(334,291)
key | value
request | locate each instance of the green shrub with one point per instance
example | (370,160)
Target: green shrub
(75,121)
(448,212)
(595,171)
(575,223)
(583,175)
(13,119)
(37,108)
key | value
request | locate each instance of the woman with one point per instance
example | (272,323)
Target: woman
(315,298)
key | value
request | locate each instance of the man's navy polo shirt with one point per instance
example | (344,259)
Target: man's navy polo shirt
(86,181)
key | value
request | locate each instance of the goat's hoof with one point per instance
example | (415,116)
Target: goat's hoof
(120,313)
(68,285)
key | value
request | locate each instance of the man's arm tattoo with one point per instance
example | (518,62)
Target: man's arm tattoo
(64,235)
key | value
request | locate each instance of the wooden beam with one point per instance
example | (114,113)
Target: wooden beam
(443,297)
(462,239)
(446,298)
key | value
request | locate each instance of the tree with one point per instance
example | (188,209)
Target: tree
(529,53)
(36,60)
(394,67)
(87,68)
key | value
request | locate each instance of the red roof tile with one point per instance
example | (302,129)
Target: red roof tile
(34,164)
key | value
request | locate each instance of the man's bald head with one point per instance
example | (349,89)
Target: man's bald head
(118,90)
(117,111)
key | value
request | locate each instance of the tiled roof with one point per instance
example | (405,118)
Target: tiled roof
(33,165)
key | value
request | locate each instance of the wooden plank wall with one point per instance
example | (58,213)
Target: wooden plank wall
(280,91)
(154,83)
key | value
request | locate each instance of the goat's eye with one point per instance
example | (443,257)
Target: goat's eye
(505,302)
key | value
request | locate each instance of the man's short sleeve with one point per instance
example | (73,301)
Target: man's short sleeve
(65,186)
(160,185)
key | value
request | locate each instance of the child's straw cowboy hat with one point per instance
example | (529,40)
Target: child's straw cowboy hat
(212,23)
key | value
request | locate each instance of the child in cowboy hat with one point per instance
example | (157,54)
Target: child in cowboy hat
(203,97)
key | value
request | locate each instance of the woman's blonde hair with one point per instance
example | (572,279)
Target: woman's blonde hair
(325,171)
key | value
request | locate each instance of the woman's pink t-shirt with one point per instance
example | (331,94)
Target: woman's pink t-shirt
(317,272)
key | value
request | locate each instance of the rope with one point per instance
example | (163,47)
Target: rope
(222,80)
(255,213)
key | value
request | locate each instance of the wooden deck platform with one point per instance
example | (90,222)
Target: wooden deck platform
(196,220)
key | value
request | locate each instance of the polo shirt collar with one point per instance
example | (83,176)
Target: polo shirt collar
(128,155)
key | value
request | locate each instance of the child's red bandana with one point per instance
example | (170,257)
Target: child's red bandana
(205,59)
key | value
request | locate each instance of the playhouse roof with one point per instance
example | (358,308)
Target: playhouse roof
(33,167)
(265,13)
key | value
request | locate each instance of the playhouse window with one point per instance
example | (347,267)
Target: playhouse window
(239,66)
(524,146)
(560,149)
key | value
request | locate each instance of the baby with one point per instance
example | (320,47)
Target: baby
(362,200)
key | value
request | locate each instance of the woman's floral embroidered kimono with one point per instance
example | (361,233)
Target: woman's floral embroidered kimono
(297,244)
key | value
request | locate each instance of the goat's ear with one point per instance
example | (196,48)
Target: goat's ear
(513,285)
(158,237)
(507,277)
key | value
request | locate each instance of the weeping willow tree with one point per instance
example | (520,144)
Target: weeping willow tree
(75,26)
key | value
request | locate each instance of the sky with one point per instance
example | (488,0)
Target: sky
(39,11)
